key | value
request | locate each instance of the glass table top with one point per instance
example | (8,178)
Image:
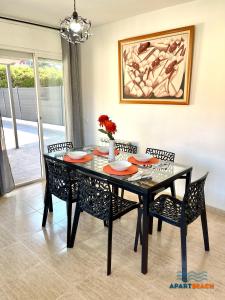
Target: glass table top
(156,173)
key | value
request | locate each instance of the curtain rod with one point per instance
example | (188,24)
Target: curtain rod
(30,23)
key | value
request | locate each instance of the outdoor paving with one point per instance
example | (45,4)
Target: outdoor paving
(25,161)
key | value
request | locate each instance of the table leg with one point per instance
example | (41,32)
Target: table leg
(145,226)
(188,179)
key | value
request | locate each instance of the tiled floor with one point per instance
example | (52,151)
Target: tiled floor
(35,263)
(28,147)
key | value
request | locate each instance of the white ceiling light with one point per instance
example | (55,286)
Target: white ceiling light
(75,29)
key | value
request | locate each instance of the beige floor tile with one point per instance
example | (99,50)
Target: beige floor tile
(46,242)
(3,295)
(15,260)
(76,264)
(28,191)
(73,295)
(37,202)
(40,283)
(13,207)
(6,239)
(116,286)
(24,224)
(87,228)
(59,212)
(35,263)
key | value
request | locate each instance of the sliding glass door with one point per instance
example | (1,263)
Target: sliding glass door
(51,102)
(18,108)
(32,110)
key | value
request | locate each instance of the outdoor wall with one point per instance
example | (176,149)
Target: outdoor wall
(194,132)
(51,104)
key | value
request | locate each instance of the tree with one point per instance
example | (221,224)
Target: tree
(23,76)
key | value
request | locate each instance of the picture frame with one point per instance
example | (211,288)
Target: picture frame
(156,68)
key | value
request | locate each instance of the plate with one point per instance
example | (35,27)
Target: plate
(120,165)
(77,154)
(102,149)
(151,161)
(142,157)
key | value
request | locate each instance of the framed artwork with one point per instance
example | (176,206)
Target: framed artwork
(156,68)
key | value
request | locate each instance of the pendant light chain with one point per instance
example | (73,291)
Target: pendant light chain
(74,5)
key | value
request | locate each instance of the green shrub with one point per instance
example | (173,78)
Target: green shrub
(3,80)
(23,76)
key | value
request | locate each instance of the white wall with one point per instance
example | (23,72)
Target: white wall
(28,38)
(196,133)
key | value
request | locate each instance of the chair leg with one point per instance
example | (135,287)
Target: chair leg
(138,229)
(183,234)
(140,199)
(141,236)
(50,204)
(109,254)
(46,207)
(205,230)
(122,193)
(173,190)
(75,225)
(159,228)
(150,225)
(69,212)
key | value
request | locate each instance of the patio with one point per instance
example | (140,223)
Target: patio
(25,161)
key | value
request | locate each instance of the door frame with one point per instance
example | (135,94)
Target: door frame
(35,56)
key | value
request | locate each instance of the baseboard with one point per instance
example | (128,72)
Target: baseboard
(218,211)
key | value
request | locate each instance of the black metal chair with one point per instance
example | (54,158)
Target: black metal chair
(128,148)
(59,184)
(60,146)
(54,148)
(161,154)
(96,198)
(166,156)
(181,214)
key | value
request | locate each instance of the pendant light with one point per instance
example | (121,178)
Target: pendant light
(75,29)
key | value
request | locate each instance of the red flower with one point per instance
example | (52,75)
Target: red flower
(102,119)
(110,126)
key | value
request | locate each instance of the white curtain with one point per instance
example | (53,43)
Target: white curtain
(72,92)
(6,178)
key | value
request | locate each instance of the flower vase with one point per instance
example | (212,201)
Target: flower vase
(111,150)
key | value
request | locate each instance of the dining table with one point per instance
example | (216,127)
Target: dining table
(151,180)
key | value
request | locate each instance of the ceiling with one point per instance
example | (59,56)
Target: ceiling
(50,12)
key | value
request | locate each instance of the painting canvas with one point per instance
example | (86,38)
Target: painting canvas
(156,68)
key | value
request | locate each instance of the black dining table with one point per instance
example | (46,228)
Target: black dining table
(160,177)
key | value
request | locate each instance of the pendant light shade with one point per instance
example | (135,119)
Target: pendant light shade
(75,29)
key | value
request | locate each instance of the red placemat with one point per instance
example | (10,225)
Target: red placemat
(99,153)
(85,159)
(151,161)
(131,170)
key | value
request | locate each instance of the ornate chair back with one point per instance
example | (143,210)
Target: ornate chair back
(161,154)
(129,148)
(58,178)
(60,147)
(95,196)
(194,200)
